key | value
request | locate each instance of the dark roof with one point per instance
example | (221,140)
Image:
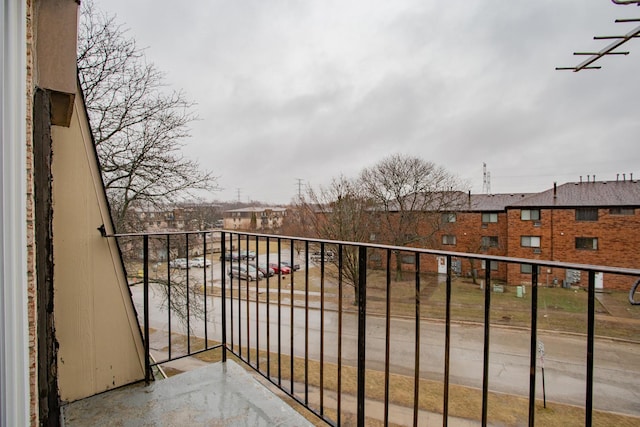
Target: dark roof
(458,201)
(258,209)
(493,202)
(592,193)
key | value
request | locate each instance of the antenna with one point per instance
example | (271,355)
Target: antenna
(609,49)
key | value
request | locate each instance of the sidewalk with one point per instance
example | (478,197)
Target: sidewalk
(617,308)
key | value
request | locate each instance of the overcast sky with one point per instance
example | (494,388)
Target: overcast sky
(290,90)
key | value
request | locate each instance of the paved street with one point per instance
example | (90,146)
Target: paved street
(617,363)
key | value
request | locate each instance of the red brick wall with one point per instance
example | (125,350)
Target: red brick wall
(468,230)
(559,229)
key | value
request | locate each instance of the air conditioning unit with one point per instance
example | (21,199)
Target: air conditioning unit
(537,224)
(536,250)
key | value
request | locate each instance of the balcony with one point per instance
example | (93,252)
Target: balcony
(371,335)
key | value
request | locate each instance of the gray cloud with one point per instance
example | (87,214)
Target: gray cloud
(311,90)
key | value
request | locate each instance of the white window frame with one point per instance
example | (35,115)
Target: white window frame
(530,241)
(493,241)
(449,239)
(527,269)
(493,264)
(490,216)
(449,217)
(14,330)
(526,214)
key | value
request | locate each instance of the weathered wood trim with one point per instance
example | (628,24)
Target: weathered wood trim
(49,408)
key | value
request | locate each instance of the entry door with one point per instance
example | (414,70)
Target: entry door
(442,265)
(599,277)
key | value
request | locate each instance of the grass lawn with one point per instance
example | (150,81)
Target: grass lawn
(559,309)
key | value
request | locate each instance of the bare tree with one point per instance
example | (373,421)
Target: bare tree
(410,195)
(138,128)
(340,212)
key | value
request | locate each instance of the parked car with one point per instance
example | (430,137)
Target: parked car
(201,262)
(295,267)
(178,263)
(242,272)
(247,254)
(230,256)
(318,256)
(280,268)
(266,271)
(235,255)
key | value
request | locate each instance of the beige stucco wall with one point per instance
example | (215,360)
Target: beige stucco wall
(55,60)
(100,342)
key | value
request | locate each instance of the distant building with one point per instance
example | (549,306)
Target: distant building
(585,222)
(184,217)
(254,218)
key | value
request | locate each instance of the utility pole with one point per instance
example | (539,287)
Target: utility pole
(239,199)
(299,188)
(486,179)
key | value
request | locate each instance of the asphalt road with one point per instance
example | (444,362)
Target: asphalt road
(617,364)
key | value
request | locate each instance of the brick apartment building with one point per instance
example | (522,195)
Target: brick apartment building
(586,222)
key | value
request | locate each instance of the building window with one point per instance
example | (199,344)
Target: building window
(530,214)
(588,243)
(489,217)
(492,264)
(372,237)
(408,259)
(622,211)
(448,217)
(526,269)
(489,241)
(448,239)
(530,241)
(375,257)
(587,214)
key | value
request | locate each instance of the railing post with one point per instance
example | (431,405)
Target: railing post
(204,289)
(145,281)
(447,346)
(534,344)
(223,250)
(169,292)
(416,368)
(487,341)
(187,293)
(387,338)
(362,331)
(591,319)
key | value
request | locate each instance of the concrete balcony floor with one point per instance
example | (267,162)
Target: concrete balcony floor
(220,394)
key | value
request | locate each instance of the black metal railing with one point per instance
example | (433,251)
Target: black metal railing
(283,329)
